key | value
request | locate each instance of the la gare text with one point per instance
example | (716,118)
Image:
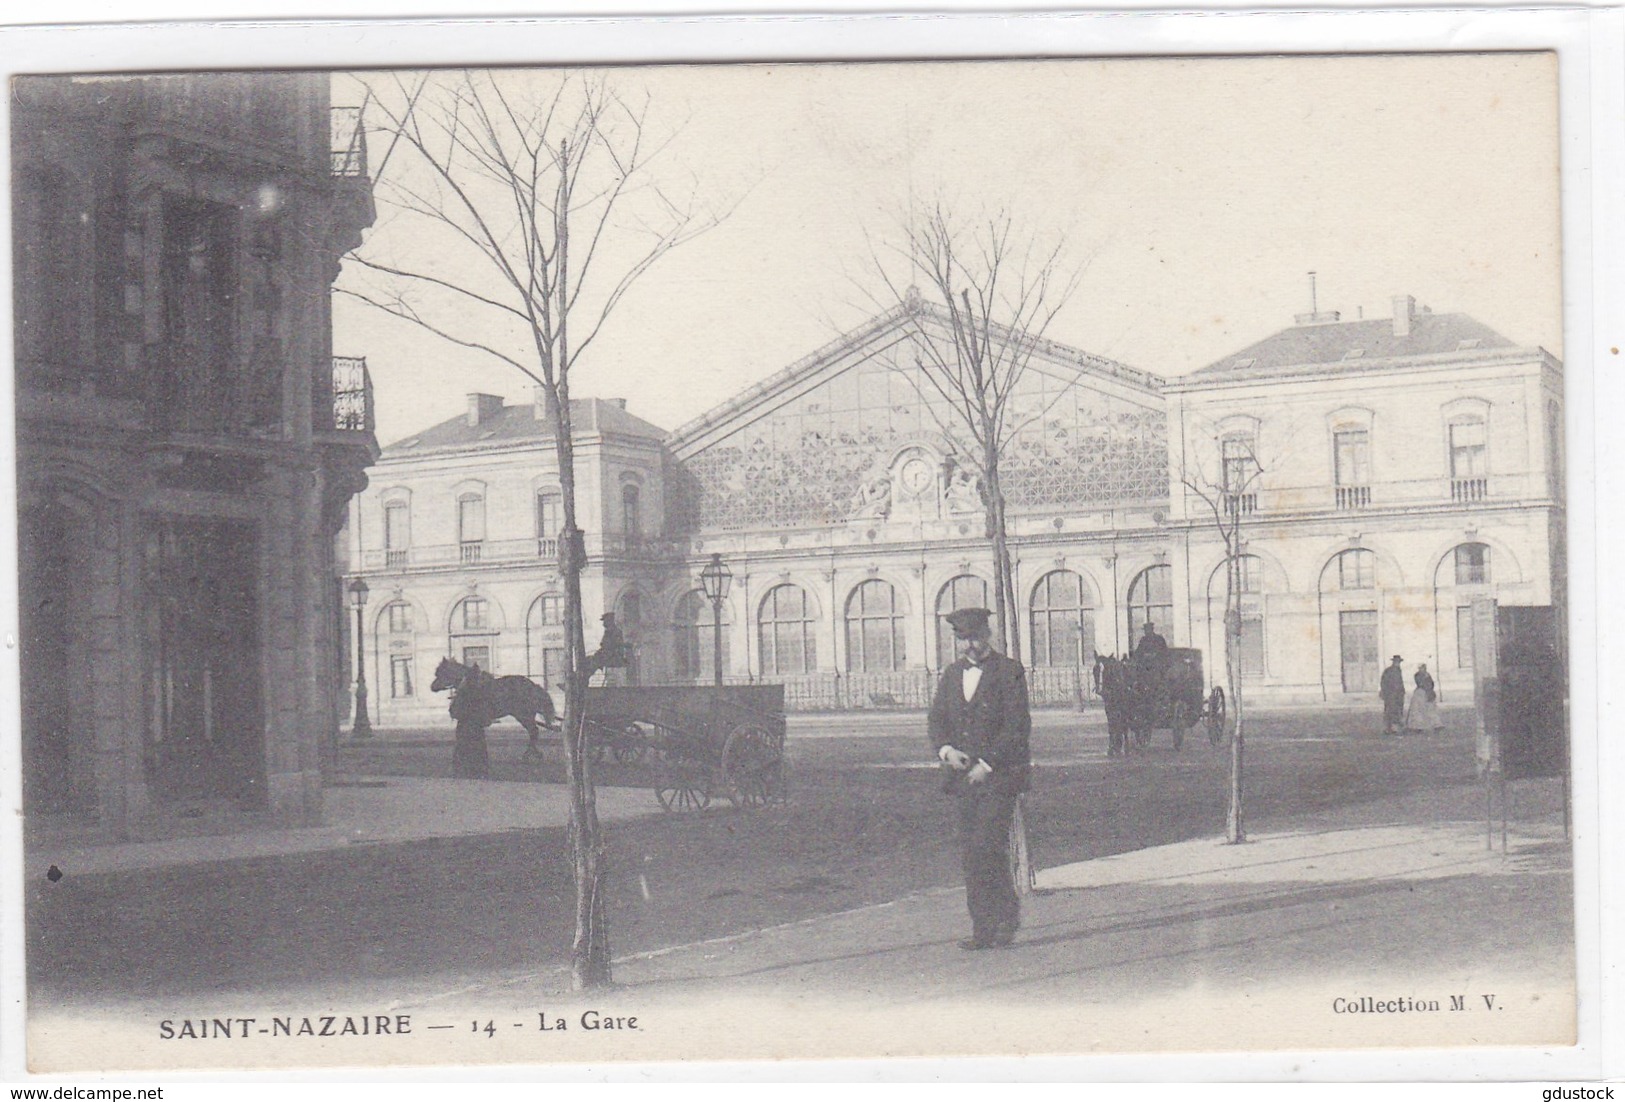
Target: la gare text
(364,1025)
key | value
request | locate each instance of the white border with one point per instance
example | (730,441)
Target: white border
(1591,47)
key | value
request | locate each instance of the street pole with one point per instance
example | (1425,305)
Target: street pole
(362,727)
(716,650)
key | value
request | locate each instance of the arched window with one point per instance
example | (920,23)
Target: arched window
(965,591)
(397,533)
(785,632)
(1250,585)
(874,628)
(1472,564)
(1356,569)
(1063,620)
(1150,598)
(694,637)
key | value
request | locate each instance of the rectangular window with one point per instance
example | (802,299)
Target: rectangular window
(477,656)
(400,677)
(1357,634)
(1352,453)
(549,516)
(397,527)
(1472,564)
(1464,637)
(553,667)
(474,614)
(400,617)
(1252,645)
(470,519)
(1467,449)
(1240,464)
(1356,569)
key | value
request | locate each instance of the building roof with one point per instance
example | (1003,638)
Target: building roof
(588,417)
(891,325)
(1352,342)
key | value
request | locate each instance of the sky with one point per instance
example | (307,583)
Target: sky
(1194,194)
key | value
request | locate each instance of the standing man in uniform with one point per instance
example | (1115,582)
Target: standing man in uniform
(980,725)
(1392,690)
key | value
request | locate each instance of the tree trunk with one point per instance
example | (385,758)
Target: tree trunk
(1235,827)
(589,957)
(1004,582)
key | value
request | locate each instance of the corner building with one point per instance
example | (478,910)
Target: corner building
(839,495)
(185,455)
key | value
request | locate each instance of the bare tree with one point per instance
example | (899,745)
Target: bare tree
(1229,494)
(522,206)
(989,296)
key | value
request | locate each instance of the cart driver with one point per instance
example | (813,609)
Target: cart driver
(1152,649)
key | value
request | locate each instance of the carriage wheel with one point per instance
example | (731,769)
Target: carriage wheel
(681,797)
(633,744)
(1215,718)
(1181,719)
(752,765)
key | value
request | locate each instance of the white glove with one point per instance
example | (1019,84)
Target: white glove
(956,758)
(978,772)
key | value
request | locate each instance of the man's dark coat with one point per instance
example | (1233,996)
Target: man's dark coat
(995,725)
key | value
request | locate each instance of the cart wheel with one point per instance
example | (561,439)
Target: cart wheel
(1181,719)
(752,765)
(680,797)
(1215,717)
(633,744)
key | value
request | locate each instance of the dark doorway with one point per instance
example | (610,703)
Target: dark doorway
(210,728)
(55,585)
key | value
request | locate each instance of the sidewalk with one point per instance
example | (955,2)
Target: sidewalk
(1192,946)
(361,811)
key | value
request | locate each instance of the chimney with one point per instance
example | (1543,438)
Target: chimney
(1404,314)
(482,408)
(542,405)
(618,403)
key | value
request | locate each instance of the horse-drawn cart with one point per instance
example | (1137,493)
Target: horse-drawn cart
(1147,694)
(704,742)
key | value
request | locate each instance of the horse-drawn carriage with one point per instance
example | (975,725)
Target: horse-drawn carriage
(705,742)
(700,742)
(1159,692)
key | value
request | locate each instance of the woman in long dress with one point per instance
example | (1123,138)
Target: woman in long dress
(1423,714)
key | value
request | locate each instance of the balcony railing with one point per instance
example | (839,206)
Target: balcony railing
(347,143)
(1240,504)
(1469,489)
(396,557)
(547,547)
(1353,497)
(470,551)
(352,395)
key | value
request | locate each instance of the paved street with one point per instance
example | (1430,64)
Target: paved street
(865,826)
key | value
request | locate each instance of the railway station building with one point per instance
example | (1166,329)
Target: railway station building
(1401,466)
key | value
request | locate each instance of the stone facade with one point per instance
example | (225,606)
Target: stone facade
(839,496)
(183,458)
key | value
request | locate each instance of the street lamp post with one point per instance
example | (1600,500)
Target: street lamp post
(362,727)
(714,579)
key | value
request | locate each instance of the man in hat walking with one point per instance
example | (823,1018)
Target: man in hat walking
(980,725)
(1392,691)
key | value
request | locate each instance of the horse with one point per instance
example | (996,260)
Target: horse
(484,699)
(1120,692)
